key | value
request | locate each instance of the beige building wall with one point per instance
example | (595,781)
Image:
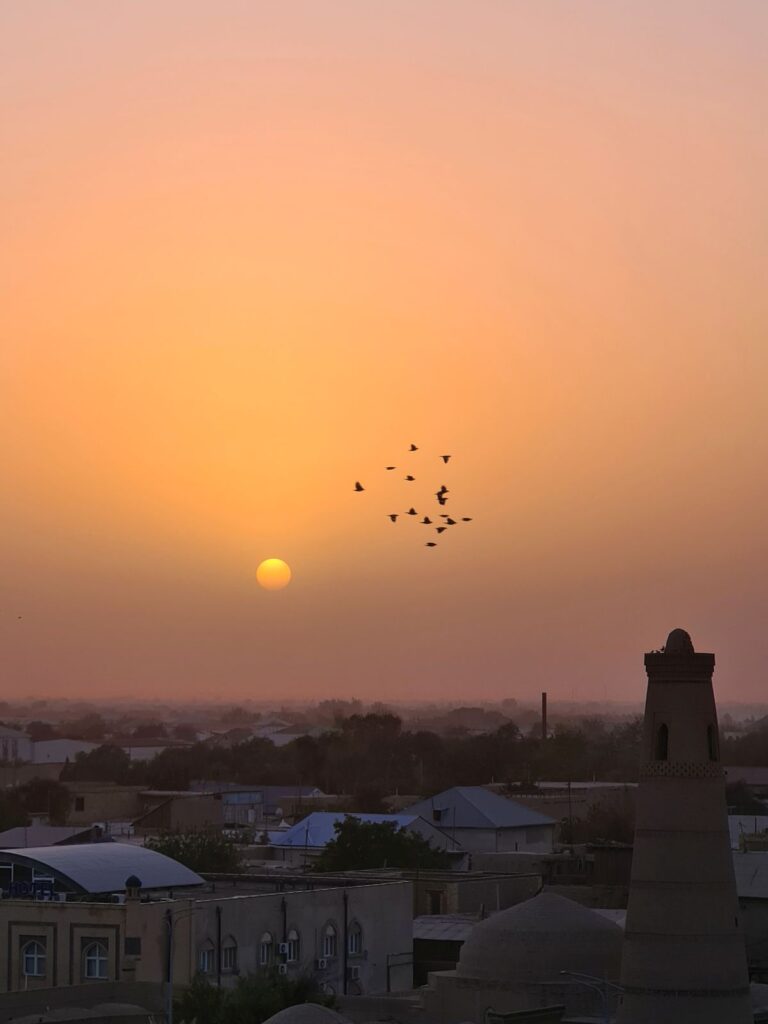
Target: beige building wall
(134,937)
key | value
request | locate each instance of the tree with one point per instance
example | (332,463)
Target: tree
(104,764)
(361,845)
(254,999)
(46,796)
(200,851)
(41,731)
(90,727)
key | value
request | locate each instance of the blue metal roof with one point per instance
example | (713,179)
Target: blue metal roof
(317,829)
(477,807)
(104,867)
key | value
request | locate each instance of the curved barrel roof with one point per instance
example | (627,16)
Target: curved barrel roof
(104,867)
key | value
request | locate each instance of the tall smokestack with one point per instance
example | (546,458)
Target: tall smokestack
(544,715)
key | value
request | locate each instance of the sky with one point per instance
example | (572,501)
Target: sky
(252,251)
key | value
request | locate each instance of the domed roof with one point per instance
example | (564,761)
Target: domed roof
(679,642)
(307,1013)
(535,940)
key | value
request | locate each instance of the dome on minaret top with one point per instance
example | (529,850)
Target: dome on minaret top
(679,642)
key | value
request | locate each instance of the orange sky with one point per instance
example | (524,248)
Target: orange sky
(251,251)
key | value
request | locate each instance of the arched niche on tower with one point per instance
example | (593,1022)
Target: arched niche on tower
(661,751)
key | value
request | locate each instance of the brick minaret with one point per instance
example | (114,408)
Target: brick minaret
(684,960)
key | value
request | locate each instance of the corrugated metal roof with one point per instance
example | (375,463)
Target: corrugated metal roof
(39,835)
(317,829)
(477,807)
(104,867)
(751,871)
(443,927)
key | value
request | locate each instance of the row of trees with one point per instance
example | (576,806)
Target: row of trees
(372,756)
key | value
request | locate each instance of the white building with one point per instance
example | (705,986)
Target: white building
(484,822)
(14,745)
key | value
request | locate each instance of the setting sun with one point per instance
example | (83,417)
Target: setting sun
(273,574)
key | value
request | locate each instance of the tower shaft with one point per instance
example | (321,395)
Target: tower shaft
(684,960)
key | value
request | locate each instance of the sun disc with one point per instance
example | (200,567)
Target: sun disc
(273,574)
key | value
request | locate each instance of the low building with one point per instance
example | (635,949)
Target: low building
(482,821)
(307,839)
(103,802)
(178,812)
(14,745)
(59,751)
(111,913)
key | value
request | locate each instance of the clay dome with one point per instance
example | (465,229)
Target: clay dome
(307,1013)
(679,642)
(535,940)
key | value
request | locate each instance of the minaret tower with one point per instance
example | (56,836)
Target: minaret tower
(684,960)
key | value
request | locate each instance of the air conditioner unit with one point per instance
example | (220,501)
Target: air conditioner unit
(321,964)
(282,948)
(282,968)
(354,973)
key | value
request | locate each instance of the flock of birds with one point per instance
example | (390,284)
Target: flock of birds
(441,496)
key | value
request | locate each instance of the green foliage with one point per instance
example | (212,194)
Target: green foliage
(46,796)
(106,763)
(200,851)
(255,998)
(359,845)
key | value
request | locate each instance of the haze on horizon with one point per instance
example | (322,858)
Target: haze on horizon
(252,251)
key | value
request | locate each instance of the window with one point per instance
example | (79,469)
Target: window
(229,956)
(293,946)
(96,962)
(355,944)
(435,897)
(79,803)
(712,744)
(662,743)
(205,962)
(265,950)
(329,941)
(33,959)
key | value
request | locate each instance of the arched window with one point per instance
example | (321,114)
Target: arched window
(712,743)
(205,959)
(294,947)
(265,950)
(229,955)
(96,962)
(33,959)
(329,941)
(662,743)
(355,940)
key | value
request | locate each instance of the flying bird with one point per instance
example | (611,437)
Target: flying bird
(390,467)
(359,486)
(393,516)
(441,528)
(449,521)
(431,544)
(412,512)
(426,521)
(409,477)
(441,498)
(466,519)
(445,457)
(413,448)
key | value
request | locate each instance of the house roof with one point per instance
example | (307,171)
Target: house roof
(751,870)
(317,829)
(39,835)
(443,927)
(104,867)
(477,807)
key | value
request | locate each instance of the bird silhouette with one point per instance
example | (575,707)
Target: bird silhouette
(412,512)
(466,519)
(359,486)
(393,516)
(431,544)
(409,477)
(413,448)
(441,498)
(449,521)
(440,529)
(445,457)
(390,467)
(426,521)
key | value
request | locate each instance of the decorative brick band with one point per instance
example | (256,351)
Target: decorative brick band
(681,770)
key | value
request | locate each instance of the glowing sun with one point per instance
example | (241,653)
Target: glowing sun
(273,574)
